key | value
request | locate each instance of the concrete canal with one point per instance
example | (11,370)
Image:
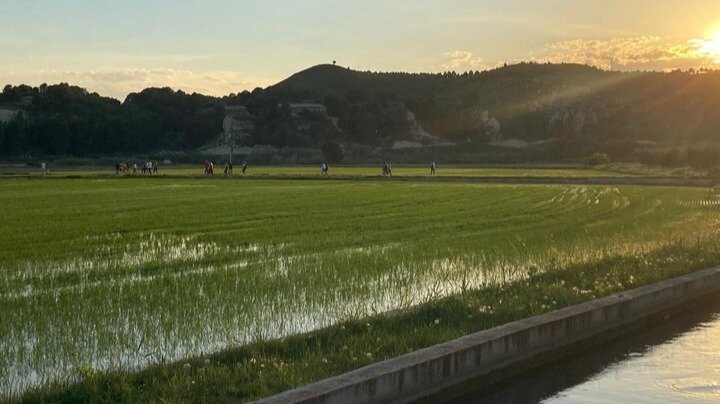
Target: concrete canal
(677,360)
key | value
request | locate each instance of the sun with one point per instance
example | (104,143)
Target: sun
(710,47)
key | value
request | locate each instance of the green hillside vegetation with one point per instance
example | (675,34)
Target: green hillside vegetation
(68,120)
(528,111)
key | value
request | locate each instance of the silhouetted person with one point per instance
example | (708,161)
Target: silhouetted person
(387,169)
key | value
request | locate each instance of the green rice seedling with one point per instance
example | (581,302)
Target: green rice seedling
(101,274)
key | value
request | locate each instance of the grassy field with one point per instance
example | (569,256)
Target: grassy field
(611,170)
(108,274)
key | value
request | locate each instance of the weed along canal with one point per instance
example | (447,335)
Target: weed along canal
(676,360)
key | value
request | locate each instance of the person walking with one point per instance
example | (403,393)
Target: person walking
(432,168)
(227,167)
(43,168)
(387,169)
(244,167)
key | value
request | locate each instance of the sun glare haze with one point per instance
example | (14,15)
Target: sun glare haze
(710,47)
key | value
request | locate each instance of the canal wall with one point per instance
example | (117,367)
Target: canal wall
(478,359)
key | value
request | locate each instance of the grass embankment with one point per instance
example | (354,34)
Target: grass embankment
(265,368)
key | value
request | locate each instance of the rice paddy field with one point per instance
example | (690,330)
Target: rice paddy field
(100,273)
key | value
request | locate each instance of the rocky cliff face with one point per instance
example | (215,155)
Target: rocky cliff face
(238,123)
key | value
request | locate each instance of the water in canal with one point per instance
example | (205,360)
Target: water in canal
(677,361)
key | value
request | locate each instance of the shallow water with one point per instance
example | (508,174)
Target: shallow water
(677,361)
(685,368)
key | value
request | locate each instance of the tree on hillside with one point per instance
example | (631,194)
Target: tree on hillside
(336,106)
(332,151)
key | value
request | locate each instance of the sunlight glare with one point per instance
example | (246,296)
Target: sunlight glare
(710,47)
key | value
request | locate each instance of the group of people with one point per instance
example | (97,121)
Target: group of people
(148,167)
(210,168)
(151,167)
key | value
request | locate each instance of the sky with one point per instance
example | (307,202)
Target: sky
(219,47)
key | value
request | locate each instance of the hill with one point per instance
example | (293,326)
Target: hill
(541,111)
(531,101)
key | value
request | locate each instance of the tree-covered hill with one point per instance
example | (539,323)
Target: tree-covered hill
(564,110)
(68,120)
(530,101)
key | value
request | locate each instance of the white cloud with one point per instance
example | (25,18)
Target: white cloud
(629,53)
(120,82)
(461,61)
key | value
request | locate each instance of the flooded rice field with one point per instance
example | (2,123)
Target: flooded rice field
(122,274)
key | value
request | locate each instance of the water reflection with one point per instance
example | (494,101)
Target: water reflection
(676,361)
(159,298)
